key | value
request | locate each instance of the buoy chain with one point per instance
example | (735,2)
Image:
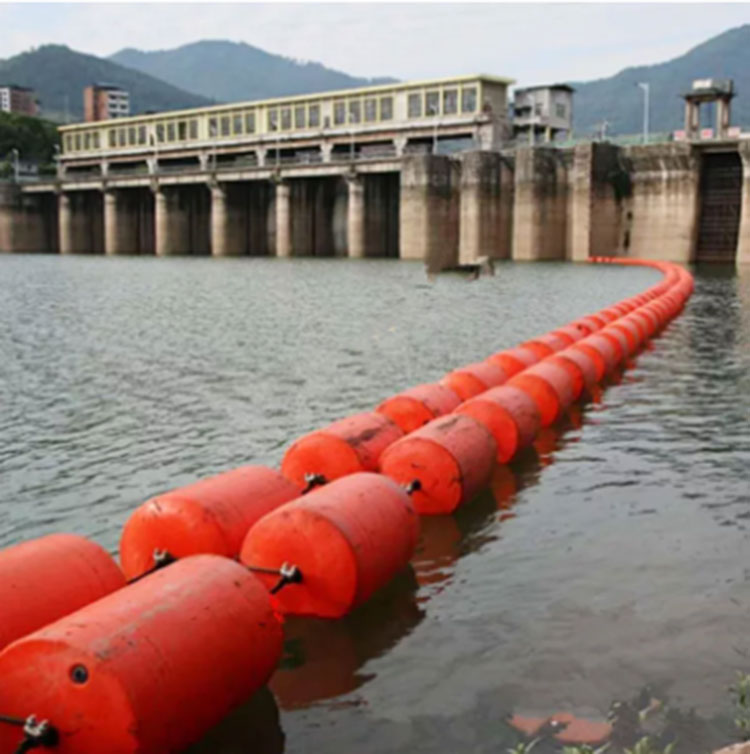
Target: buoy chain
(162,558)
(313,481)
(288,573)
(36,733)
(414,486)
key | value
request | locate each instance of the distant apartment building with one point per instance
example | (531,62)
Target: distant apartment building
(18,99)
(105,101)
(542,112)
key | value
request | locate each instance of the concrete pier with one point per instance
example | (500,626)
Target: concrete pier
(355,218)
(220,241)
(65,224)
(743,242)
(664,202)
(283,220)
(484,228)
(540,205)
(428,222)
(597,189)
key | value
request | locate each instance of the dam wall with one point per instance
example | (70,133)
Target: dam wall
(677,201)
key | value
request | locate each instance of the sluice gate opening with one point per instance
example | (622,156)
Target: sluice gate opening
(382,198)
(250,218)
(318,215)
(135,229)
(721,202)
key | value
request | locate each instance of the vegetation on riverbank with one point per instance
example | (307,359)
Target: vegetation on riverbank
(34,138)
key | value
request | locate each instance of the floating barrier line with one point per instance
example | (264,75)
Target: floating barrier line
(120,658)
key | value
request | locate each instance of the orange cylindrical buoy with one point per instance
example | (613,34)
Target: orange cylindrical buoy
(150,668)
(551,388)
(344,447)
(473,379)
(348,539)
(631,332)
(577,377)
(415,407)
(541,349)
(47,578)
(209,516)
(586,364)
(510,415)
(569,333)
(606,349)
(452,458)
(514,360)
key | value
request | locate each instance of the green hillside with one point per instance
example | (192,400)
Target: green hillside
(231,72)
(59,76)
(620,101)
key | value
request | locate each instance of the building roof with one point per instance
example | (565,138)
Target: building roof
(16,87)
(561,87)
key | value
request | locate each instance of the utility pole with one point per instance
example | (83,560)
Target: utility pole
(646,91)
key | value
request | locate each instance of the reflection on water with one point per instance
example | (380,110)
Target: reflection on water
(606,564)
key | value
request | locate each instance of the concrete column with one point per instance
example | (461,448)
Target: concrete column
(111,224)
(664,201)
(326,150)
(429,209)
(283,221)
(540,205)
(743,242)
(161,224)
(355,218)
(219,225)
(65,223)
(594,202)
(480,231)
(399,144)
(261,154)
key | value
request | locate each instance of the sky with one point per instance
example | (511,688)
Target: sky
(530,42)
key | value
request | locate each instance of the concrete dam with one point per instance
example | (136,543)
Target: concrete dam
(361,174)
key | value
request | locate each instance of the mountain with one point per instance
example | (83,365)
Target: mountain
(59,75)
(619,99)
(232,71)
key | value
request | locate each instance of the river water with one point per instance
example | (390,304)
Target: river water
(608,567)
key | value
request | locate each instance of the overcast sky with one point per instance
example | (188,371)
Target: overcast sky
(532,43)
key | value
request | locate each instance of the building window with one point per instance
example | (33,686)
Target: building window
(78,142)
(122,137)
(249,123)
(355,111)
(537,108)
(213,128)
(87,141)
(469,99)
(432,103)
(95,140)
(225,125)
(181,130)
(132,136)
(560,110)
(450,102)
(112,138)
(386,108)
(170,132)
(313,116)
(141,134)
(371,110)
(286,118)
(299,116)
(414,106)
(237,123)
(339,113)
(273,120)
(160,132)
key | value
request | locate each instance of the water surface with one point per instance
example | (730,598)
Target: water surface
(609,565)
